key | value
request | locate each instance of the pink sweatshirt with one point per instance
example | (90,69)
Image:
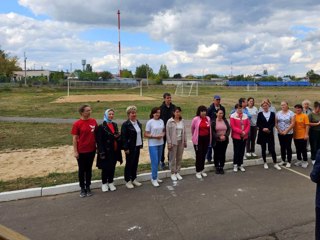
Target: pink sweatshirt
(195,129)
(235,124)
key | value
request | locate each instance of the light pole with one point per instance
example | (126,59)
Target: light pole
(25,69)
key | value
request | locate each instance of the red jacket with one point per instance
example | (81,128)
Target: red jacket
(237,127)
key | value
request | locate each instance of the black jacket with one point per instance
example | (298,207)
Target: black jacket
(129,135)
(214,132)
(262,122)
(212,112)
(166,112)
(106,145)
(315,177)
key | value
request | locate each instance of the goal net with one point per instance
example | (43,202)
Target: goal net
(187,89)
(251,88)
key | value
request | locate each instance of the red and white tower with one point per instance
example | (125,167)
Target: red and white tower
(119,44)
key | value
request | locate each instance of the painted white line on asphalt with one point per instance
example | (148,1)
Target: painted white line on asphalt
(296,172)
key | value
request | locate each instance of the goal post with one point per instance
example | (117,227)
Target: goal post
(190,88)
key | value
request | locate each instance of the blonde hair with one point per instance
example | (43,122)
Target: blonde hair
(265,101)
(131,109)
(306,101)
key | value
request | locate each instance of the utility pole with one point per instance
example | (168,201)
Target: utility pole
(119,44)
(25,69)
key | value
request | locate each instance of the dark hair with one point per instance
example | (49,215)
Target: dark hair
(175,109)
(82,107)
(166,95)
(201,109)
(298,106)
(237,106)
(220,110)
(316,104)
(153,111)
(241,100)
(249,98)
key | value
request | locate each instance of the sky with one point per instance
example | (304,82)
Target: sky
(190,37)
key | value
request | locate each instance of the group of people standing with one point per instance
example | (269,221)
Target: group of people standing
(210,131)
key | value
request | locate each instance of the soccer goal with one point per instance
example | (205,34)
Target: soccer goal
(251,88)
(187,89)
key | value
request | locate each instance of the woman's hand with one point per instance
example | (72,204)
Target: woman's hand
(76,155)
(126,151)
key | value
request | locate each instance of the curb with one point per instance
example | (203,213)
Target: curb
(143,177)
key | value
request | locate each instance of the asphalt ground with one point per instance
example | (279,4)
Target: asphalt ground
(258,204)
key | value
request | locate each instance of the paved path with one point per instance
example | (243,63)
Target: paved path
(258,204)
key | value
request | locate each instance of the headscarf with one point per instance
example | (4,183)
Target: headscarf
(106,113)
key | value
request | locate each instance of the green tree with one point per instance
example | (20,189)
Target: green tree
(125,73)
(142,70)
(313,77)
(105,75)
(56,77)
(8,64)
(163,72)
(177,76)
(88,68)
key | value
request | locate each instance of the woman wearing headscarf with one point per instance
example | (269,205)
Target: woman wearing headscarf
(109,150)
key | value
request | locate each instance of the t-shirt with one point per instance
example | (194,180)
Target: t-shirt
(138,130)
(85,130)
(204,127)
(155,127)
(284,120)
(221,128)
(314,118)
(254,114)
(300,125)
(179,130)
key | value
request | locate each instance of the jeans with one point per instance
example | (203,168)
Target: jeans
(209,154)
(301,148)
(251,141)
(85,162)
(155,153)
(285,146)
(239,146)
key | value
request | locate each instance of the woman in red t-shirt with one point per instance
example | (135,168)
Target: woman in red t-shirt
(84,147)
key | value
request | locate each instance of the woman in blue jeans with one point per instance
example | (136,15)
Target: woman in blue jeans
(155,132)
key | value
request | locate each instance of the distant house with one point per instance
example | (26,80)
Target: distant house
(219,81)
(19,75)
(286,79)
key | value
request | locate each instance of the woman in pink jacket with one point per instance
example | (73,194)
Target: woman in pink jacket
(240,126)
(201,138)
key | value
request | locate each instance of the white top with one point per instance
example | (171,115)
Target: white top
(155,127)
(266,115)
(284,120)
(138,130)
(254,114)
(179,130)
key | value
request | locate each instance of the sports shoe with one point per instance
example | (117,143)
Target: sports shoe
(244,157)
(136,183)
(217,171)
(242,169)
(298,163)
(174,177)
(313,161)
(129,185)
(304,164)
(104,187)
(163,166)
(253,154)
(204,174)
(155,183)
(276,166)
(88,191)
(265,166)
(235,168)
(112,187)
(198,175)
(288,165)
(159,180)
(83,193)
(179,176)
(221,171)
(248,154)
(282,163)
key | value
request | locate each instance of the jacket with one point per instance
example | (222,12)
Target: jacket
(214,132)
(171,132)
(166,112)
(262,122)
(106,145)
(315,177)
(235,124)
(195,129)
(129,135)
(212,112)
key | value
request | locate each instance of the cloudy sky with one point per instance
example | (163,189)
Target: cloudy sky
(190,37)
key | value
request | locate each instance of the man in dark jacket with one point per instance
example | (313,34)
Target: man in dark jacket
(166,110)
(212,113)
(315,177)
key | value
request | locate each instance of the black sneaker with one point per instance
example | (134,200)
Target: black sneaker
(217,171)
(221,171)
(88,191)
(83,193)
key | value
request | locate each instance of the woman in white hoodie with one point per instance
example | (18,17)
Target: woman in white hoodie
(176,141)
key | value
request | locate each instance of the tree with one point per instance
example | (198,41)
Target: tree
(55,77)
(125,73)
(105,75)
(177,76)
(88,68)
(142,70)
(163,72)
(8,64)
(313,77)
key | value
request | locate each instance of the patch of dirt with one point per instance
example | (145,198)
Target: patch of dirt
(102,98)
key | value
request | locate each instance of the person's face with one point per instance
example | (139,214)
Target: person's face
(217,101)
(177,114)
(306,105)
(250,102)
(156,115)
(265,107)
(317,109)
(298,110)
(167,100)
(284,106)
(244,103)
(133,115)
(111,115)
(220,114)
(86,112)
(203,113)
(239,110)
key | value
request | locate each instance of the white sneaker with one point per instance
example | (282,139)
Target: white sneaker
(253,154)
(204,174)
(136,183)
(129,185)
(244,157)
(198,175)
(174,177)
(298,163)
(248,154)
(159,180)
(112,187)
(288,165)
(235,168)
(304,164)
(313,161)
(155,183)
(265,166)
(105,187)
(179,176)
(276,166)
(282,163)
(242,169)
